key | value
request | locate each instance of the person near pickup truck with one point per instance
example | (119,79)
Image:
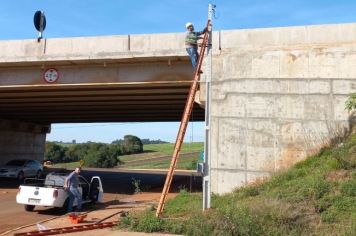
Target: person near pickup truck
(71,184)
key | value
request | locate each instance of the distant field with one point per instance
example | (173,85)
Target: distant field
(156,151)
(186,163)
(66,165)
(165,149)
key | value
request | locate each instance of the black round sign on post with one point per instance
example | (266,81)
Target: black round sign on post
(39,20)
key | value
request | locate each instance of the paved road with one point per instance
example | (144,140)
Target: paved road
(120,180)
(115,183)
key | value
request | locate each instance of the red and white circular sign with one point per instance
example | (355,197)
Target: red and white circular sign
(51,75)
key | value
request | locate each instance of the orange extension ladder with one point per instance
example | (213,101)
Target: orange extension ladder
(184,123)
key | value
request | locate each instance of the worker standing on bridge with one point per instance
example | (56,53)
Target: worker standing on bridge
(191,43)
(71,184)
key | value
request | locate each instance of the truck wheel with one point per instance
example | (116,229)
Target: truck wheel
(20,175)
(29,207)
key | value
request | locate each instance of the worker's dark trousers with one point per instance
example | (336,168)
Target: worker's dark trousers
(193,53)
(74,194)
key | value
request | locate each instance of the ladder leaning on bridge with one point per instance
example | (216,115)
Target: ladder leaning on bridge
(184,122)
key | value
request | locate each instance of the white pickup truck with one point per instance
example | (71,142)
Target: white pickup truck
(50,192)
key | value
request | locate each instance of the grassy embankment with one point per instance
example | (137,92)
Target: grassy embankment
(154,151)
(315,197)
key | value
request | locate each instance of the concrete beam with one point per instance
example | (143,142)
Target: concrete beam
(122,48)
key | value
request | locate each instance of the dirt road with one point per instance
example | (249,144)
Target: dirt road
(117,186)
(13,215)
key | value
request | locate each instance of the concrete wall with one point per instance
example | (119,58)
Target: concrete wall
(22,140)
(278,96)
(133,48)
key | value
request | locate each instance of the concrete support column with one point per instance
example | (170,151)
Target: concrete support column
(22,140)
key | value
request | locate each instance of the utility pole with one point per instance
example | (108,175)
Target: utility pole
(207,158)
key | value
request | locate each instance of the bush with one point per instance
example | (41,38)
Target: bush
(100,155)
(150,223)
(76,152)
(54,152)
(94,154)
(351,102)
(143,222)
(319,188)
(236,221)
(132,144)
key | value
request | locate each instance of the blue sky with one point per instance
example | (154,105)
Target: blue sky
(73,18)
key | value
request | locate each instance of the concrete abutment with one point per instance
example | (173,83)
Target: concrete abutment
(21,140)
(278,95)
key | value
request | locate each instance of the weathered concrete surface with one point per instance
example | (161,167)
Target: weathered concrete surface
(22,140)
(84,50)
(278,95)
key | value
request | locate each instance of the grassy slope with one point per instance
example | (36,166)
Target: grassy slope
(315,197)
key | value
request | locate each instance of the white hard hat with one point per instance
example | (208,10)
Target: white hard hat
(188,24)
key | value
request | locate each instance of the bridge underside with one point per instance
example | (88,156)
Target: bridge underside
(97,103)
(98,91)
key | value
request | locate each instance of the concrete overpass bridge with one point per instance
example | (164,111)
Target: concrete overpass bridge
(100,79)
(278,93)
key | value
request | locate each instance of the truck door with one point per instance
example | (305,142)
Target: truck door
(96,191)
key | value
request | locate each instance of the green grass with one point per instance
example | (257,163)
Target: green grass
(184,163)
(166,149)
(315,197)
(66,165)
(141,156)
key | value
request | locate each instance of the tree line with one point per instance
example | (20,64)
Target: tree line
(94,154)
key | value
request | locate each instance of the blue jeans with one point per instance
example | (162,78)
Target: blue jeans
(193,53)
(74,193)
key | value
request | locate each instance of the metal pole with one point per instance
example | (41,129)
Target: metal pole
(40,32)
(207,161)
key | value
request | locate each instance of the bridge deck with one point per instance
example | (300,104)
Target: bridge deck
(129,78)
